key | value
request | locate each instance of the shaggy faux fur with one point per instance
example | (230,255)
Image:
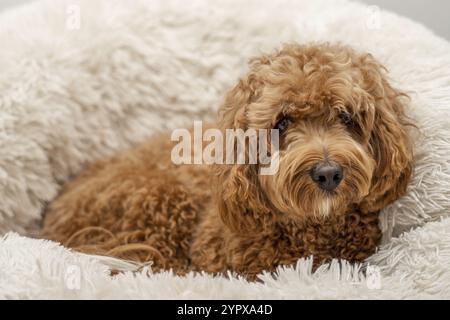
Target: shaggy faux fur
(336,106)
(414,266)
(71,96)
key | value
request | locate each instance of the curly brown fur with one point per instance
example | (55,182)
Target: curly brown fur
(138,205)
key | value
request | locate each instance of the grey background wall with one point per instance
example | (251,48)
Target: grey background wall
(433,13)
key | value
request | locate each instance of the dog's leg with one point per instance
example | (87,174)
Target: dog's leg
(136,206)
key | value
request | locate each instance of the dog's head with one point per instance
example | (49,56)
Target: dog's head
(343,139)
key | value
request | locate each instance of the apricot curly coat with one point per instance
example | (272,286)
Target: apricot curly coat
(139,205)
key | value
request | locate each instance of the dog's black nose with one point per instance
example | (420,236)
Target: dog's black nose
(327,175)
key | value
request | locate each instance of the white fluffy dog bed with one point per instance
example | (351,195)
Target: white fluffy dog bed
(69,95)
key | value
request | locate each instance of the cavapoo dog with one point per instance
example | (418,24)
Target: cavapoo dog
(344,154)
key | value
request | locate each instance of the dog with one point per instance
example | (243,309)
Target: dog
(344,154)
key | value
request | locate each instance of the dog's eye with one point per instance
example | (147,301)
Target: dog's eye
(346,119)
(283,124)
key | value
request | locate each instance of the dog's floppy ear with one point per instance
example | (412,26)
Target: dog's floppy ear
(232,111)
(241,204)
(389,140)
